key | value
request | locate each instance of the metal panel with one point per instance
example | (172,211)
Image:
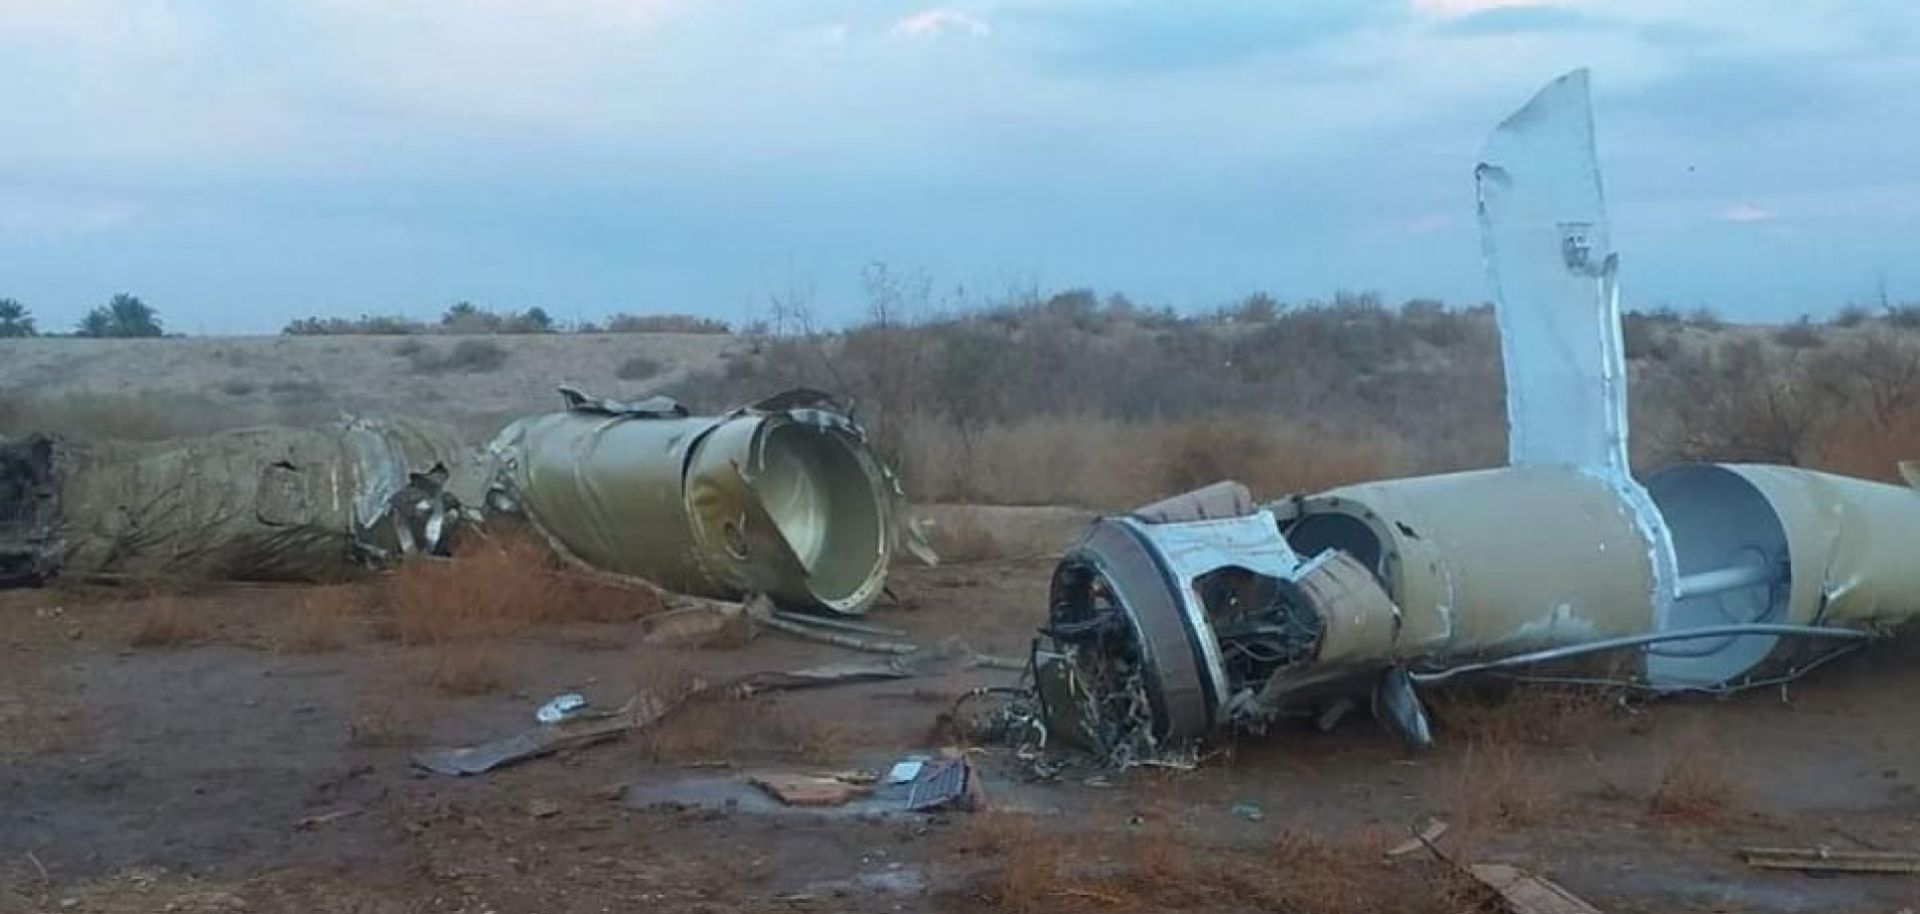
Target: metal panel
(1492,561)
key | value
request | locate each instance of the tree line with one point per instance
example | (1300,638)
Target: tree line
(124,316)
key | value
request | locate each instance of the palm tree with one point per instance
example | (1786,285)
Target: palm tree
(15,320)
(123,316)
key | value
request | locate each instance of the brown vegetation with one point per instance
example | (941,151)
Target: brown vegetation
(470,667)
(167,621)
(324,619)
(1071,398)
(1537,715)
(1162,866)
(494,588)
(1499,785)
(499,586)
(1695,787)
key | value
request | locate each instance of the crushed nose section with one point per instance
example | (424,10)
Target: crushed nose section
(29,512)
(1163,631)
(784,497)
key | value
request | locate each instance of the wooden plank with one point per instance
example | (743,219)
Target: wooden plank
(1526,893)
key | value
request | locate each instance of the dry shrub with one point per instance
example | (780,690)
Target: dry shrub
(323,619)
(1031,861)
(469,667)
(1162,865)
(1325,876)
(1547,716)
(500,586)
(1872,450)
(1695,787)
(1498,784)
(1116,464)
(1272,458)
(709,726)
(168,622)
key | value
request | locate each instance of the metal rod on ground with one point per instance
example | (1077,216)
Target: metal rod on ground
(841,624)
(869,645)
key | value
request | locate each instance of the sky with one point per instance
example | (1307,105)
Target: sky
(239,164)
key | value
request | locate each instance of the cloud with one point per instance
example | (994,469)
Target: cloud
(1512,20)
(937,21)
(1745,212)
(1454,9)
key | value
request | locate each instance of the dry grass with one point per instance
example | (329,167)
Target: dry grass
(1872,450)
(708,730)
(1161,865)
(1117,464)
(1544,716)
(1499,785)
(1330,875)
(1695,787)
(501,586)
(323,619)
(469,667)
(1032,862)
(166,621)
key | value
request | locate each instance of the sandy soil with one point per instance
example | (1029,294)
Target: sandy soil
(306,379)
(226,776)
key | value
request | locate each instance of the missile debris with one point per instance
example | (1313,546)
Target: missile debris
(1211,611)
(782,498)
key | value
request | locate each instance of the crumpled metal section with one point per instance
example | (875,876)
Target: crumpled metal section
(293,504)
(1175,621)
(783,497)
(1202,611)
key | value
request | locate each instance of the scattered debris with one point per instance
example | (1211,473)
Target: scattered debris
(560,708)
(918,784)
(905,770)
(1425,838)
(1828,860)
(807,790)
(582,730)
(760,610)
(1248,811)
(815,677)
(541,808)
(315,821)
(942,782)
(1526,893)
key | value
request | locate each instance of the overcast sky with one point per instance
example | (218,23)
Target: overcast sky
(241,163)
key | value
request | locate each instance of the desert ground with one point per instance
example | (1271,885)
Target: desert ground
(222,747)
(214,751)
